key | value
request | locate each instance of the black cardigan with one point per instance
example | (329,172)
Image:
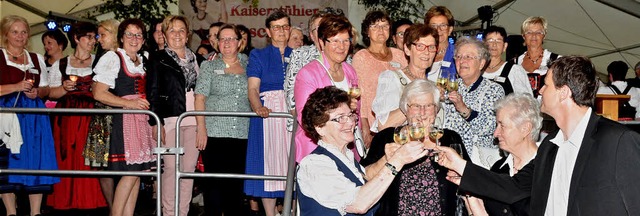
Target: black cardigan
(389,201)
(166,88)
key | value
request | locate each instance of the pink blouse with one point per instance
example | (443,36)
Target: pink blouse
(368,69)
(311,77)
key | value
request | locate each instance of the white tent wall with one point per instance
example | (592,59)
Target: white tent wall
(576,27)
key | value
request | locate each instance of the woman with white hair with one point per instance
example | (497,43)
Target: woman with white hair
(519,123)
(470,112)
(422,188)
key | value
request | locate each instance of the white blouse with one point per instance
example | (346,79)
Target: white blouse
(542,70)
(318,178)
(388,95)
(29,67)
(107,68)
(55,75)
(517,76)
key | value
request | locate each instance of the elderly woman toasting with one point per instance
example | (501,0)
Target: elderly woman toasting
(470,112)
(330,181)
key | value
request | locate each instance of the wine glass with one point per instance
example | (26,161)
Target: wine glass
(435,133)
(442,82)
(73,78)
(401,135)
(452,84)
(354,91)
(458,148)
(416,129)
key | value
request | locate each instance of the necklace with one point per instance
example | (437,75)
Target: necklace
(82,60)
(534,61)
(227,65)
(409,74)
(499,63)
(14,57)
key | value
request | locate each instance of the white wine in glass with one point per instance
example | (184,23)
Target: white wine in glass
(435,134)
(452,86)
(73,78)
(417,132)
(401,135)
(442,82)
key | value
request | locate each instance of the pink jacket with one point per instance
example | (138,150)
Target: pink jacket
(311,77)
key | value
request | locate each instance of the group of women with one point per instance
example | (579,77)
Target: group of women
(397,86)
(331,180)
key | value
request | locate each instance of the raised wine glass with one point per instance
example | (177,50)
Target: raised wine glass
(354,91)
(401,135)
(442,82)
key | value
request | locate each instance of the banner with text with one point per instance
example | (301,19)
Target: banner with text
(202,13)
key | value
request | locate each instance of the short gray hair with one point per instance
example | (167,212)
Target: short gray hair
(481,47)
(532,21)
(416,88)
(527,110)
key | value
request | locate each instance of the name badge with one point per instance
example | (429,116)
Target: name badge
(395,64)
(446,64)
(218,71)
(501,79)
(34,71)
(287,59)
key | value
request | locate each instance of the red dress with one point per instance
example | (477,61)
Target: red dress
(70,136)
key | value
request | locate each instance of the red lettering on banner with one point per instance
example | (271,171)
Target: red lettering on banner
(291,10)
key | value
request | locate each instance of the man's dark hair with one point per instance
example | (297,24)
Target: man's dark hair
(618,70)
(579,74)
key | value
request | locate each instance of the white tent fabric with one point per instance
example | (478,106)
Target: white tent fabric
(576,27)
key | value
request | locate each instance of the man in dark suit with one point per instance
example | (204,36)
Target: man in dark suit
(591,166)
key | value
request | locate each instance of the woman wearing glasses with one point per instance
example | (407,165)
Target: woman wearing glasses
(441,19)
(330,181)
(422,187)
(470,112)
(222,86)
(420,46)
(372,61)
(330,69)
(119,81)
(269,141)
(510,76)
(171,83)
(536,58)
(70,80)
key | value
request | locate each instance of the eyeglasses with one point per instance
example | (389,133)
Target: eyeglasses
(336,42)
(344,118)
(439,26)
(422,47)
(281,27)
(227,40)
(379,27)
(466,57)
(421,107)
(533,33)
(494,41)
(130,35)
(400,34)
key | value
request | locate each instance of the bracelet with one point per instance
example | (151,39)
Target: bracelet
(391,167)
(466,114)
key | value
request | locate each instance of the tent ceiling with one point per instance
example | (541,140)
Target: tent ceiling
(577,27)
(583,27)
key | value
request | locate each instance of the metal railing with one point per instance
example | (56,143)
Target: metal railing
(288,195)
(159,151)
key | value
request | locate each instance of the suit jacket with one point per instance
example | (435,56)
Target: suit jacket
(604,180)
